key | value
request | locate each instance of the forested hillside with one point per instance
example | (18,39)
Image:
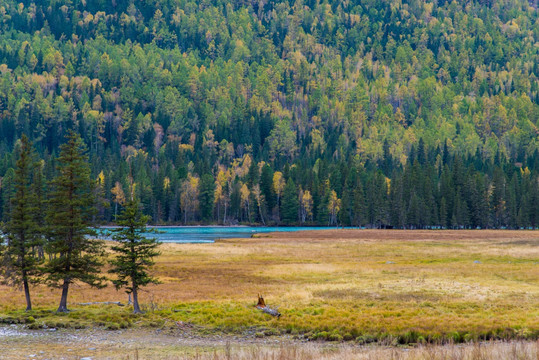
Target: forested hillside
(365,113)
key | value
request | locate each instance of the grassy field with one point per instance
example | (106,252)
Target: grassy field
(363,285)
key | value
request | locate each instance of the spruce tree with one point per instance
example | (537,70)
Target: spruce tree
(8,189)
(135,252)
(21,259)
(347,213)
(290,203)
(76,256)
(358,208)
(207,197)
(323,212)
(266,187)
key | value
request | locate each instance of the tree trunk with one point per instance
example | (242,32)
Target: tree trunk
(278,210)
(260,213)
(63,300)
(136,308)
(26,292)
(40,252)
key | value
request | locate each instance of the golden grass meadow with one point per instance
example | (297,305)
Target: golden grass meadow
(387,286)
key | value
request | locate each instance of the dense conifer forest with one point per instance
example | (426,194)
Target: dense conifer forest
(386,113)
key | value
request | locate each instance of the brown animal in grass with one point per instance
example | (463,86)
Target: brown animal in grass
(261,302)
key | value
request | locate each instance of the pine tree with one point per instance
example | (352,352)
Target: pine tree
(8,190)
(135,252)
(266,187)
(207,196)
(290,203)
(498,198)
(38,187)
(347,213)
(443,213)
(358,205)
(323,206)
(76,256)
(398,213)
(23,231)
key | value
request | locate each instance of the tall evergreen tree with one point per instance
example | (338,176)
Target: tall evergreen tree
(21,258)
(76,256)
(290,203)
(347,211)
(323,212)
(207,196)
(135,252)
(266,187)
(39,189)
(8,189)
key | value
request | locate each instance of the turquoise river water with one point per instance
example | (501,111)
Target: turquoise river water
(208,234)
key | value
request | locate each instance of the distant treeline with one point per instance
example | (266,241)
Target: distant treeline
(435,189)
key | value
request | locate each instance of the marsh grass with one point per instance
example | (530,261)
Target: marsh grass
(393,287)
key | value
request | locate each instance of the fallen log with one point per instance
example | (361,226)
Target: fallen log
(261,305)
(272,312)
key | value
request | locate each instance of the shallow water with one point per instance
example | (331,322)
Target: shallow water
(208,234)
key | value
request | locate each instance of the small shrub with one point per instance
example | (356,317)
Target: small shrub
(35,326)
(389,340)
(49,324)
(155,324)
(435,339)
(322,335)
(456,337)
(30,319)
(348,337)
(365,339)
(124,324)
(112,326)
(271,332)
(9,320)
(335,337)
(77,325)
(408,337)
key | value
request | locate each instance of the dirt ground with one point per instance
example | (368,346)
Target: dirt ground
(17,343)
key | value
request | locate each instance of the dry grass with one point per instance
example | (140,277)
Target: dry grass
(395,286)
(478,351)
(153,346)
